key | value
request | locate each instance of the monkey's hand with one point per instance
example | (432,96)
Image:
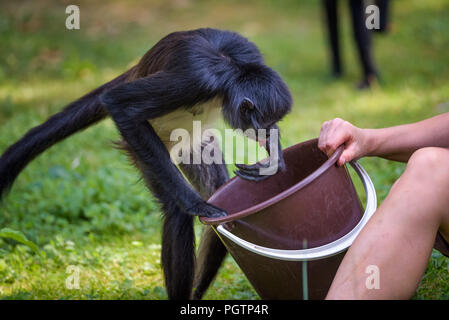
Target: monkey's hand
(252,172)
(204,209)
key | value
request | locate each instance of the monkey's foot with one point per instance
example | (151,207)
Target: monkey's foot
(204,209)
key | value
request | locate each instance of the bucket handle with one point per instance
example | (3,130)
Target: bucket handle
(323,251)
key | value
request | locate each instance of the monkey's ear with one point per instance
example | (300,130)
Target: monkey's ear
(246,105)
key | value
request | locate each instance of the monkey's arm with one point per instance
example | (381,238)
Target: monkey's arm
(130,106)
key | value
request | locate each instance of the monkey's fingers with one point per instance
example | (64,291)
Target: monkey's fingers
(250,177)
(204,209)
(251,172)
(254,168)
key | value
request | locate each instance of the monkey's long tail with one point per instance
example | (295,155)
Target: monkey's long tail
(77,116)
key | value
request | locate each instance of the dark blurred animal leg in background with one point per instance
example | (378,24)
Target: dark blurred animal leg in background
(384,9)
(331,17)
(362,37)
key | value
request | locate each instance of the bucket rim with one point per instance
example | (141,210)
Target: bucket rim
(316,253)
(278,197)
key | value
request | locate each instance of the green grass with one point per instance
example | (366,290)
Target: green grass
(81,202)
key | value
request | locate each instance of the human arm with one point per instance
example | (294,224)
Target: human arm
(394,143)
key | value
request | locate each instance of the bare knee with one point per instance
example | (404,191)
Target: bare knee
(428,168)
(431,163)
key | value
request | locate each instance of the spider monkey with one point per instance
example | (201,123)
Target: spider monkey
(187,75)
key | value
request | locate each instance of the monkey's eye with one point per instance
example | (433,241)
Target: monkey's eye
(246,105)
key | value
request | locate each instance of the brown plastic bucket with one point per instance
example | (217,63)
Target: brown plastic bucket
(289,233)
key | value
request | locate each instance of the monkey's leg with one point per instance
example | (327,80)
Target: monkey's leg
(178,238)
(178,253)
(207,179)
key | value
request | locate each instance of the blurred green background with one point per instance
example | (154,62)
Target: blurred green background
(81,202)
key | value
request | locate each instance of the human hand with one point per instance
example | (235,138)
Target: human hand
(337,132)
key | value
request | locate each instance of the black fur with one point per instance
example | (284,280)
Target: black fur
(182,70)
(206,179)
(77,116)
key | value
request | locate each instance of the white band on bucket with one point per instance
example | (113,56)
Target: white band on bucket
(323,251)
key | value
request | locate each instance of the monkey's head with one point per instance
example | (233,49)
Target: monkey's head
(258,99)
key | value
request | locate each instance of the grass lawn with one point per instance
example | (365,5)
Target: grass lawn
(81,202)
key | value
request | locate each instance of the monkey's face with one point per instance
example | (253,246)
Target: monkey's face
(258,100)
